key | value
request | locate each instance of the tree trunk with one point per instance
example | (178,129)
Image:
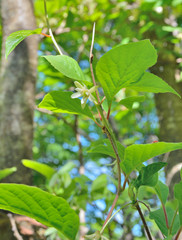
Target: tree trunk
(17,89)
(169,109)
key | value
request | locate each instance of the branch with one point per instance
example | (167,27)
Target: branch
(14,228)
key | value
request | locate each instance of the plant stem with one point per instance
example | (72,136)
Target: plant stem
(91,60)
(178,233)
(143,220)
(113,216)
(165,214)
(50,31)
(172,222)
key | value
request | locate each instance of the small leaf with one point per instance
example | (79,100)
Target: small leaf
(42,168)
(46,208)
(6,172)
(151,83)
(129,101)
(15,38)
(162,191)
(61,102)
(105,147)
(136,154)
(67,66)
(159,218)
(178,196)
(123,65)
(148,175)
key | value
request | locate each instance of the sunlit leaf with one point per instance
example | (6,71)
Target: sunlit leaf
(16,37)
(46,208)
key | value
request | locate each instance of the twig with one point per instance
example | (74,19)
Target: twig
(14,228)
(143,220)
(178,234)
(173,219)
(144,205)
(50,31)
(91,61)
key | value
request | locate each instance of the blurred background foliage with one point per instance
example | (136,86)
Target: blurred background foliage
(86,180)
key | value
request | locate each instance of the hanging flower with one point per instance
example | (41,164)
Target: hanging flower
(83,91)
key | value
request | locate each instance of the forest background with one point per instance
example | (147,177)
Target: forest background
(63,141)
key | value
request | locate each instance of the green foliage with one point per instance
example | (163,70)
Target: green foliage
(162,191)
(16,37)
(148,175)
(67,66)
(129,101)
(178,196)
(43,169)
(136,154)
(61,102)
(105,147)
(6,172)
(44,207)
(159,218)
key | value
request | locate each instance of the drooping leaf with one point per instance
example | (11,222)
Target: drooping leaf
(159,218)
(139,153)
(105,147)
(129,101)
(148,175)
(61,102)
(16,37)
(6,172)
(67,66)
(162,191)
(151,83)
(42,168)
(123,65)
(46,208)
(178,196)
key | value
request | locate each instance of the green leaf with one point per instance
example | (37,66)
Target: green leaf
(162,191)
(123,65)
(151,83)
(67,66)
(159,218)
(15,38)
(6,172)
(47,209)
(105,147)
(99,183)
(129,101)
(42,168)
(136,154)
(61,102)
(148,175)
(178,196)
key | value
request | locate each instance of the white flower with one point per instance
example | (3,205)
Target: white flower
(83,91)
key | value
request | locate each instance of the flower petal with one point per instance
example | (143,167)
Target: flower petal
(84,101)
(76,95)
(91,98)
(78,85)
(93,89)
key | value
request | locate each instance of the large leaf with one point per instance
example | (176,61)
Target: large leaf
(129,101)
(162,191)
(123,65)
(15,38)
(159,218)
(67,66)
(61,102)
(6,172)
(136,154)
(105,147)
(46,208)
(148,175)
(151,83)
(42,168)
